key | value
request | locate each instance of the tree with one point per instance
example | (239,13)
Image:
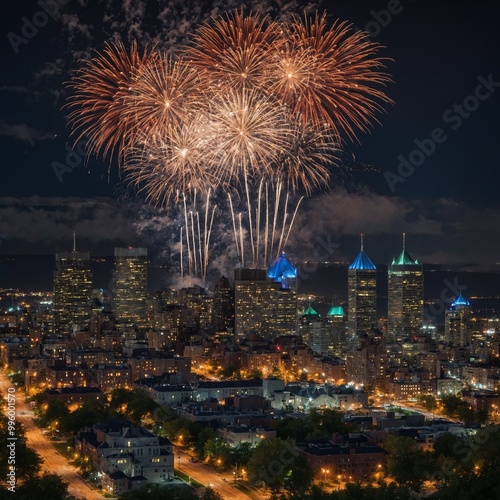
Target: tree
(406,463)
(451,404)
(56,412)
(210,494)
(91,412)
(42,487)
(277,463)
(28,462)
(429,402)
(205,435)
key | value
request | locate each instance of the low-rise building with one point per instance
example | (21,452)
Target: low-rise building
(351,461)
(126,455)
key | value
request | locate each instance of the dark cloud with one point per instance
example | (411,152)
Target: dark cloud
(24,132)
(441,231)
(43,225)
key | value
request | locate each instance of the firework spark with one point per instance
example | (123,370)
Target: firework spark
(250,132)
(267,213)
(235,51)
(177,162)
(330,75)
(308,162)
(166,95)
(98,107)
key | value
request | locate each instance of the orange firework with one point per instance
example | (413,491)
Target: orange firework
(163,166)
(235,51)
(166,94)
(98,107)
(250,132)
(311,155)
(330,75)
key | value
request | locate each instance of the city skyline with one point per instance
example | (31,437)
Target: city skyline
(435,205)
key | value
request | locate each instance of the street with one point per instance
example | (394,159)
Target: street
(220,482)
(52,460)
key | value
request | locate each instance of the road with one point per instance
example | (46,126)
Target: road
(208,477)
(420,409)
(52,460)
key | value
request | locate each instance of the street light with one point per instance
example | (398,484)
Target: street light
(325,472)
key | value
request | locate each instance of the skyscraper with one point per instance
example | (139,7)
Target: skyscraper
(223,308)
(250,300)
(131,285)
(361,294)
(326,336)
(405,297)
(266,303)
(282,296)
(72,289)
(457,323)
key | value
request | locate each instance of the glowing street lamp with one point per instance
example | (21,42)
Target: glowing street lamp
(325,472)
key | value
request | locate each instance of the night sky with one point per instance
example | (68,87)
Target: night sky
(444,60)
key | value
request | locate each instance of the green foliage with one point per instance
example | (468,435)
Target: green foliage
(428,401)
(210,494)
(278,464)
(43,487)
(318,424)
(17,378)
(56,411)
(91,412)
(407,463)
(454,406)
(156,491)
(28,462)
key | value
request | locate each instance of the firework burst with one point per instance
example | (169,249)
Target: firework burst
(308,162)
(98,108)
(164,166)
(166,95)
(330,76)
(250,132)
(235,51)
(252,107)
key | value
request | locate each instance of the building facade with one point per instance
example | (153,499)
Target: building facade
(131,285)
(72,290)
(362,294)
(405,298)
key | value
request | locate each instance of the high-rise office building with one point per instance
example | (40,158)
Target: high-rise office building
(130,282)
(266,303)
(405,297)
(250,301)
(367,363)
(282,296)
(361,294)
(223,305)
(457,323)
(72,289)
(326,336)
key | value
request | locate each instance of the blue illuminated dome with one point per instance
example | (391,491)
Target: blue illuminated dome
(281,269)
(460,301)
(362,262)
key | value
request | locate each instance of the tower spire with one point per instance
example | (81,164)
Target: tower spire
(404,241)
(74,240)
(361,241)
